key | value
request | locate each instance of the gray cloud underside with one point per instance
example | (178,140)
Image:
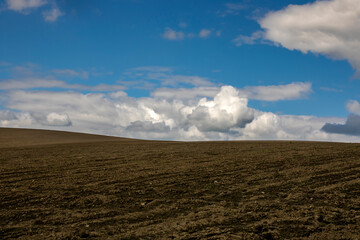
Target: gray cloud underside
(350,127)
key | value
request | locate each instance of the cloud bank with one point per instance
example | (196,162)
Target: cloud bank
(224,116)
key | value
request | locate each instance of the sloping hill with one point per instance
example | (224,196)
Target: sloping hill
(16,137)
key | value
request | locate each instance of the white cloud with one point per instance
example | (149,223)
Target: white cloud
(204,112)
(290,91)
(38,83)
(271,126)
(71,73)
(29,120)
(27,70)
(173,80)
(33,70)
(185,93)
(265,126)
(232,9)
(353,106)
(52,119)
(235,6)
(173,35)
(243,39)
(225,116)
(218,33)
(24,6)
(21,5)
(296,90)
(226,111)
(327,89)
(165,76)
(53,14)
(17,119)
(330,28)
(204,33)
(116,113)
(103,87)
(30,83)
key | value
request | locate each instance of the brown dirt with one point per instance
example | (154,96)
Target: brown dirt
(172,190)
(17,137)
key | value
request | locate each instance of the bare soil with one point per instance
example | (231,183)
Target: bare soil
(96,187)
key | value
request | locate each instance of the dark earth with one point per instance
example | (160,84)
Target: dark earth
(59,185)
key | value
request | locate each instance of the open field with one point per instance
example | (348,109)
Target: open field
(83,186)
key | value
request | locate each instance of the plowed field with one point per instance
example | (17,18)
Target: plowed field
(109,188)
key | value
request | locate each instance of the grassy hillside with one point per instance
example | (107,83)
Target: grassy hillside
(157,190)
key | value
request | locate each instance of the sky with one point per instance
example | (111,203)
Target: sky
(182,69)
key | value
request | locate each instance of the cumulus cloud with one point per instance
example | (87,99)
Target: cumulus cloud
(170,34)
(226,111)
(21,5)
(350,127)
(330,28)
(171,119)
(272,126)
(266,125)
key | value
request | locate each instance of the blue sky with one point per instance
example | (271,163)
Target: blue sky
(276,55)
